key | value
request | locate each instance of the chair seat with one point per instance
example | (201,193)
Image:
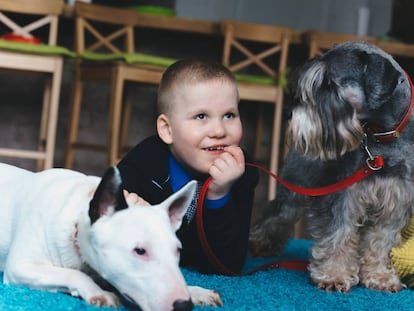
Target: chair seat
(129,58)
(31,48)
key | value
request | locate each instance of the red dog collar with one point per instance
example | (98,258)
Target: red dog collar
(387,136)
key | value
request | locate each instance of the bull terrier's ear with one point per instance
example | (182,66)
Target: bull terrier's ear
(178,203)
(108,197)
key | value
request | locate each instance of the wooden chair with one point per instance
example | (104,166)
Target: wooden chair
(260,72)
(104,43)
(25,19)
(319,42)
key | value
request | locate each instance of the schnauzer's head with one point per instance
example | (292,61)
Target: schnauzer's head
(353,84)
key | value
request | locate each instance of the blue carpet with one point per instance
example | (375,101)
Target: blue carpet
(278,289)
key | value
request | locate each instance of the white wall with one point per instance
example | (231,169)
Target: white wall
(327,15)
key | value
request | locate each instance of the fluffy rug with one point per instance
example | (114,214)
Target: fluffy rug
(277,289)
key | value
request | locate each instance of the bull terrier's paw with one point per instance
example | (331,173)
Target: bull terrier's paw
(104,299)
(205,297)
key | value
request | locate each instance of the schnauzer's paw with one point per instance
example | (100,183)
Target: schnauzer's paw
(337,286)
(338,283)
(385,282)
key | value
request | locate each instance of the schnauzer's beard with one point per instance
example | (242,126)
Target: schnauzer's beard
(324,125)
(309,135)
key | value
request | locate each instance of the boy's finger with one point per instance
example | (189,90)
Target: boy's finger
(237,153)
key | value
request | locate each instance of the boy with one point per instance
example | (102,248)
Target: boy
(199,132)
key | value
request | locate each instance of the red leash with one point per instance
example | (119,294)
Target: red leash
(373,164)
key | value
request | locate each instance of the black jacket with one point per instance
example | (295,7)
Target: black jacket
(227,228)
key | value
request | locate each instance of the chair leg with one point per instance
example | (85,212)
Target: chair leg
(115,108)
(259,134)
(126,118)
(274,151)
(53,114)
(76,101)
(299,231)
(44,121)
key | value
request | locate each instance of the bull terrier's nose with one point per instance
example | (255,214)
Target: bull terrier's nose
(182,305)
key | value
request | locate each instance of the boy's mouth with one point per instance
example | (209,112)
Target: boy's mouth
(215,148)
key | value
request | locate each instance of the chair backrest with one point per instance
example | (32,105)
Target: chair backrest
(237,37)
(93,20)
(319,42)
(397,49)
(44,13)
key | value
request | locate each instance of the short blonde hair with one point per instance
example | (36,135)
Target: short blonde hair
(189,71)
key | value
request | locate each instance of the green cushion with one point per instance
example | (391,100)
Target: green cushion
(151,9)
(262,80)
(130,58)
(35,48)
(241,77)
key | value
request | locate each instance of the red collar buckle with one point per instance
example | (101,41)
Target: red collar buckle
(375,163)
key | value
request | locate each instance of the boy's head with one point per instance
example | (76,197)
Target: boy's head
(198,112)
(187,72)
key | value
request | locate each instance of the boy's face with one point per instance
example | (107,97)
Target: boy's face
(204,118)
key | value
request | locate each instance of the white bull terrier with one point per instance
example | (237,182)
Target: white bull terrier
(56,222)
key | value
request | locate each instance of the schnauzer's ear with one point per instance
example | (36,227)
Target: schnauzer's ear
(380,79)
(320,87)
(324,122)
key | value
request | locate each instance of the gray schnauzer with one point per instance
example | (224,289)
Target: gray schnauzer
(351,104)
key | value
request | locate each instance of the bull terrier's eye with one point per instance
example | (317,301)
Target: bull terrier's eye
(140,251)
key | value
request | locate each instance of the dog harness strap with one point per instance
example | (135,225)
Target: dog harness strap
(386,136)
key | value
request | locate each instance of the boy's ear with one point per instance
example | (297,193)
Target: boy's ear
(164,129)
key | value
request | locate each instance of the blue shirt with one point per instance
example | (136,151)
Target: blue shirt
(179,177)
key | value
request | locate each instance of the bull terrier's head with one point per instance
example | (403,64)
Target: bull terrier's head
(135,248)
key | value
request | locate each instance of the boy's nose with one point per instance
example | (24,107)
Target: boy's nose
(218,129)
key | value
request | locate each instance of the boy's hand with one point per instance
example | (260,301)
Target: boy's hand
(134,199)
(227,168)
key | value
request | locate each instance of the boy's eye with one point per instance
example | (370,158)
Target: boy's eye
(200,116)
(229,116)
